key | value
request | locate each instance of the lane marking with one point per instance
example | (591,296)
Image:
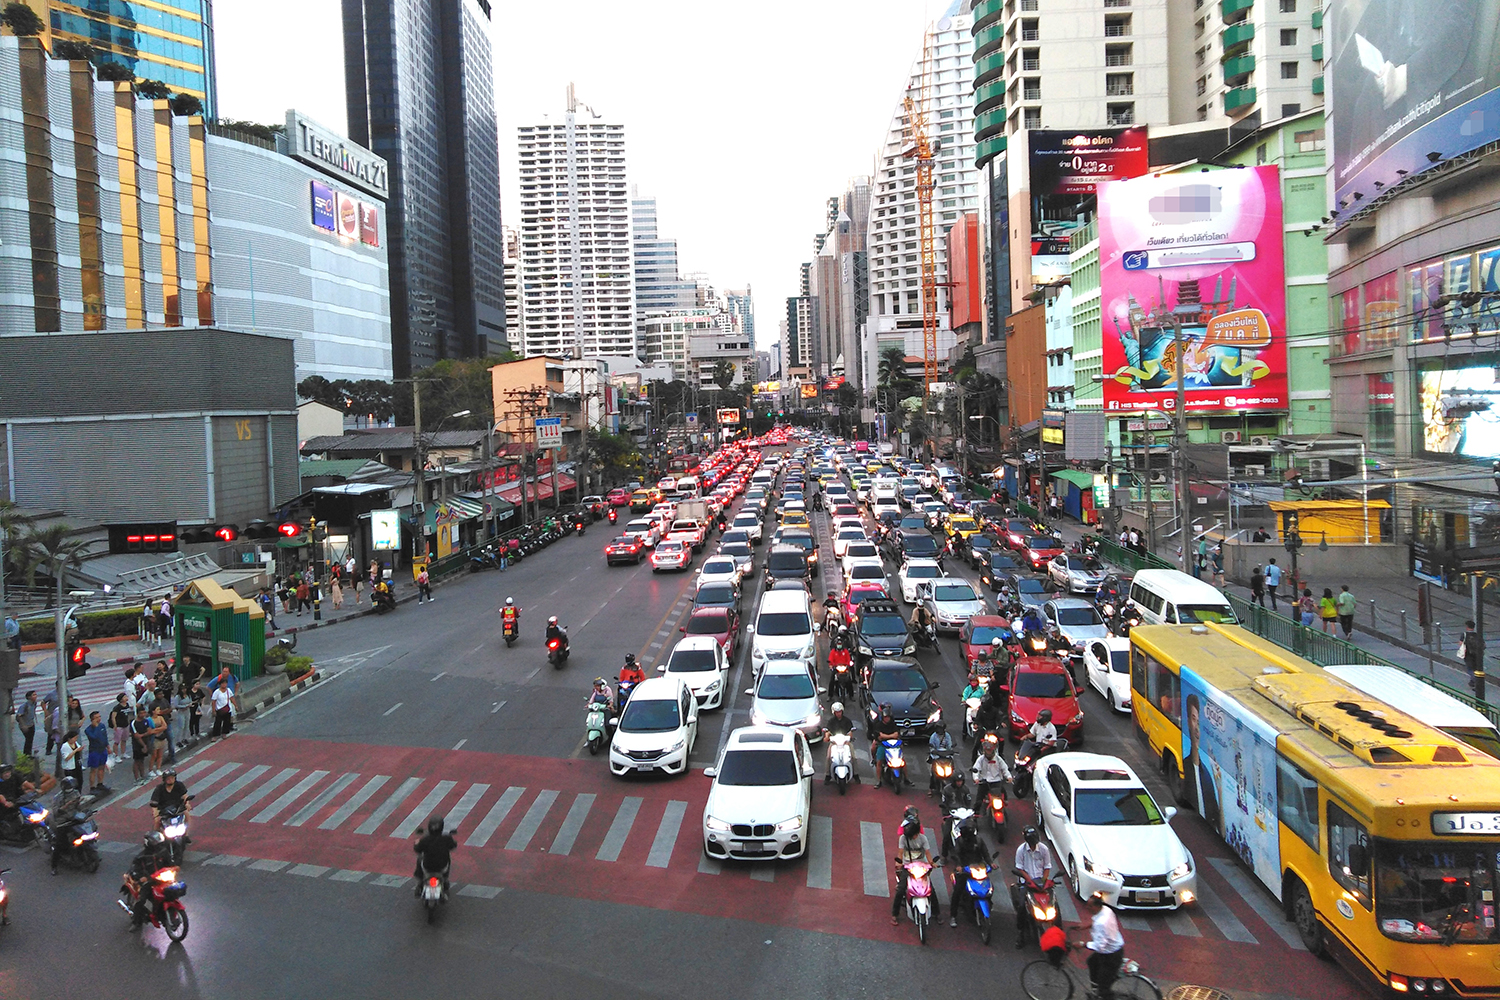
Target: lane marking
(466,804)
(872,859)
(706,864)
(266,788)
(1133,923)
(390,805)
(1254,895)
(310,810)
(820,853)
(423,810)
(1182,925)
(296,792)
(227,860)
(460,744)
(567,834)
(347,875)
(532,820)
(1223,917)
(393,708)
(666,834)
(307,871)
(492,820)
(268,866)
(358,799)
(619,829)
(439,676)
(482,891)
(498,706)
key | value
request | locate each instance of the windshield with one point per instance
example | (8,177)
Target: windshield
(1039,542)
(862,550)
(899,679)
(649,716)
(708,624)
(923,572)
(783,686)
(783,623)
(1078,616)
(1033,685)
(1421,886)
(867,571)
(1029,585)
(856,596)
(1485,739)
(1115,807)
(983,635)
(1208,614)
(882,625)
(783,563)
(718,593)
(919,545)
(758,767)
(851,534)
(954,592)
(691,660)
(735,549)
(1079,563)
(624,540)
(669,546)
(718,567)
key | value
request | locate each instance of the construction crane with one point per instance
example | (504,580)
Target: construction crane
(917,107)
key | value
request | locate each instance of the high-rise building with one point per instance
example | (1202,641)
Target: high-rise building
(658,285)
(167,40)
(742,306)
(512,262)
(895,266)
(1250,61)
(418,84)
(577,271)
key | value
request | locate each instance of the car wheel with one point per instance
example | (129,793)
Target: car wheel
(1113,707)
(1073,877)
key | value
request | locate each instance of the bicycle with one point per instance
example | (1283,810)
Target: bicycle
(1058,979)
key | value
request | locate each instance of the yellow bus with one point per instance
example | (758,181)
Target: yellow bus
(1379,835)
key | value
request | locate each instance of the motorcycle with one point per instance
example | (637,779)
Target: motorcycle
(434,887)
(166,909)
(981,896)
(557,650)
(995,810)
(919,895)
(942,771)
(383,600)
(622,693)
(926,635)
(840,681)
(614,515)
(79,835)
(1023,768)
(29,823)
(595,726)
(511,629)
(893,763)
(971,715)
(841,757)
(1038,906)
(174,828)
(578,527)
(4,899)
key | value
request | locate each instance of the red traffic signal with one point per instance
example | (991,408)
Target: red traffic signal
(227,533)
(79,653)
(289,529)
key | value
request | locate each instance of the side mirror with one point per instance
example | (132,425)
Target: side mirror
(682,628)
(750,627)
(750,691)
(807,772)
(1058,812)
(661,668)
(1169,813)
(710,772)
(614,720)
(936,685)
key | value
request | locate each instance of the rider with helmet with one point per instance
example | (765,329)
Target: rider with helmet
(171,793)
(1034,865)
(838,724)
(1043,732)
(882,727)
(510,614)
(434,853)
(832,609)
(968,850)
(154,856)
(939,744)
(554,630)
(911,845)
(631,672)
(601,694)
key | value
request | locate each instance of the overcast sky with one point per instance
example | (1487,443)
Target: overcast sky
(741,118)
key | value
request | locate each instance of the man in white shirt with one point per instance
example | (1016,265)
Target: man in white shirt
(223,712)
(1106,944)
(1034,862)
(1043,732)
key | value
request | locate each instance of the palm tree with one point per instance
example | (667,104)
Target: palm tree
(53,548)
(11,523)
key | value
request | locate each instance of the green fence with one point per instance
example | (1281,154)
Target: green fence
(1328,650)
(1129,559)
(1026,510)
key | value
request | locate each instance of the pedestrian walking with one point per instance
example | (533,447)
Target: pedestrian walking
(26,719)
(140,744)
(1135,540)
(120,717)
(49,719)
(71,754)
(195,711)
(1217,561)
(1328,610)
(1345,604)
(359,590)
(1273,580)
(167,748)
(336,590)
(1307,608)
(223,708)
(288,596)
(304,596)
(98,761)
(268,605)
(1471,651)
(1258,586)
(424,586)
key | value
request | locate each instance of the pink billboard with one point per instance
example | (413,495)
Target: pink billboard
(1205,250)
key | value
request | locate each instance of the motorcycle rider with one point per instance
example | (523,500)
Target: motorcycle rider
(967,850)
(832,608)
(555,631)
(12,787)
(974,689)
(840,653)
(882,727)
(990,770)
(1043,732)
(1109,591)
(910,846)
(1031,621)
(940,742)
(721,522)
(838,724)
(921,622)
(170,794)
(64,804)
(631,672)
(511,615)
(152,859)
(1034,864)
(988,720)
(601,694)
(434,853)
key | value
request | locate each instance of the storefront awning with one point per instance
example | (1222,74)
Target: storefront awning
(1082,480)
(450,511)
(538,489)
(491,504)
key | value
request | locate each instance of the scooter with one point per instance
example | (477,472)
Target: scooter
(167,911)
(981,896)
(840,681)
(30,822)
(1038,905)
(510,629)
(926,635)
(841,757)
(384,601)
(557,650)
(174,829)
(919,895)
(595,726)
(579,526)
(434,888)
(1023,768)
(971,715)
(622,693)
(893,764)
(942,771)
(995,810)
(79,835)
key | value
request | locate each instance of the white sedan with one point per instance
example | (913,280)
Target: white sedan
(844,537)
(864,571)
(646,529)
(760,803)
(1106,664)
(718,569)
(858,552)
(671,554)
(917,571)
(699,660)
(1110,835)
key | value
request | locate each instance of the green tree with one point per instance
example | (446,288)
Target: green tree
(13,524)
(615,456)
(116,72)
(52,549)
(22,21)
(450,386)
(66,49)
(374,397)
(184,105)
(723,373)
(319,390)
(153,90)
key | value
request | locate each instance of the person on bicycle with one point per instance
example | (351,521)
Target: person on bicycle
(1034,865)
(1105,943)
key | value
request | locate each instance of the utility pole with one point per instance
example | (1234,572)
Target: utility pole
(1179,446)
(419,471)
(1150,490)
(8,657)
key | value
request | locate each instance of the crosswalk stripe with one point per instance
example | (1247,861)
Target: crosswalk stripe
(708,865)
(424,809)
(1182,925)
(572,823)
(872,859)
(296,792)
(529,824)
(1253,895)
(391,804)
(466,805)
(1066,911)
(764,872)
(619,829)
(820,853)
(492,820)
(141,797)
(222,795)
(666,834)
(1223,917)
(1131,922)
(356,800)
(938,876)
(269,786)
(324,797)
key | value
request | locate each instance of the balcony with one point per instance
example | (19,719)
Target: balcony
(1238,69)
(990,66)
(1120,116)
(1119,90)
(988,149)
(1031,34)
(1031,65)
(1237,36)
(988,124)
(991,39)
(1317,19)
(986,13)
(1232,10)
(1033,91)
(1118,55)
(1116,29)
(1317,85)
(1029,6)
(988,96)
(1317,51)
(1239,97)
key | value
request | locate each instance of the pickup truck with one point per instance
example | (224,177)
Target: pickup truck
(688,531)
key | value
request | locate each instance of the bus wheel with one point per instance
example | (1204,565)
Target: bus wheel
(1173,774)
(1306,917)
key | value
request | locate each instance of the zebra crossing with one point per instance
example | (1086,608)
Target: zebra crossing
(654,830)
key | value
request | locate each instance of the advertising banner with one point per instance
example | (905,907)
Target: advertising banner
(809,390)
(1065,170)
(385,529)
(729,415)
(1456,415)
(323,207)
(369,224)
(1229,775)
(1413,83)
(348,216)
(1205,250)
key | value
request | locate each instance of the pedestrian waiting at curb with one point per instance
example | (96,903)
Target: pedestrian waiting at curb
(336,590)
(1345,604)
(98,762)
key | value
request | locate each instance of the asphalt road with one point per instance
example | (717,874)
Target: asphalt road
(568,883)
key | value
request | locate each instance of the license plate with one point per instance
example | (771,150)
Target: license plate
(645,767)
(1147,896)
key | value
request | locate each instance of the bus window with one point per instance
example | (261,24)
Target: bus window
(1349,854)
(1164,690)
(1138,672)
(1425,885)
(1297,801)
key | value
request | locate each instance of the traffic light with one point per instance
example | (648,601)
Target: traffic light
(158,536)
(227,533)
(259,529)
(289,529)
(77,656)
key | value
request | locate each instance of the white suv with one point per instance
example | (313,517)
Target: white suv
(760,803)
(657,729)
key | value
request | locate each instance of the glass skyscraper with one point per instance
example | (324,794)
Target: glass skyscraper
(167,40)
(420,93)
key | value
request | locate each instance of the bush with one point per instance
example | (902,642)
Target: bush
(296,666)
(276,654)
(21,19)
(91,625)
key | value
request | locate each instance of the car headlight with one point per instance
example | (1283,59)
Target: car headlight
(788,825)
(711,688)
(677,746)
(866,651)
(1077,720)
(1099,870)
(1184,869)
(715,824)
(935,715)
(1016,718)
(757,718)
(810,650)
(909,648)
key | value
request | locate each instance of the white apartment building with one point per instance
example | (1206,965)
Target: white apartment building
(1252,55)
(576,269)
(725,342)
(511,262)
(667,335)
(895,266)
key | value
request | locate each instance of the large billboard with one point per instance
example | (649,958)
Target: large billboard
(1413,83)
(1457,418)
(1205,250)
(1065,170)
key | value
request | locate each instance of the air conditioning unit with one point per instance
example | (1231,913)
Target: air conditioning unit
(1318,468)
(1255,471)
(1158,476)
(1260,441)
(1229,437)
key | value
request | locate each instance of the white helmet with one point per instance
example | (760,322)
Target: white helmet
(510,602)
(838,706)
(552,620)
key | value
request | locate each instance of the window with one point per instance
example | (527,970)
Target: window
(1349,854)
(1119,84)
(1289,71)
(1297,801)
(1033,118)
(1202,85)
(1289,6)
(1288,36)
(1121,114)
(1059,782)
(1160,686)
(1287,110)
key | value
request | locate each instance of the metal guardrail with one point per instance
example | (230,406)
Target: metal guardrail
(1129,559)
(1329,650)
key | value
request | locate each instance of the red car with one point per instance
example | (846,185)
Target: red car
(624,549)
(1038,682)
(1039,550)
(977,633)
(721,623)
(858,592)
(618,497)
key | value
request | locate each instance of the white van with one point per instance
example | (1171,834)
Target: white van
(1422,702)
(1171,597)
(689,485)
(783,629)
